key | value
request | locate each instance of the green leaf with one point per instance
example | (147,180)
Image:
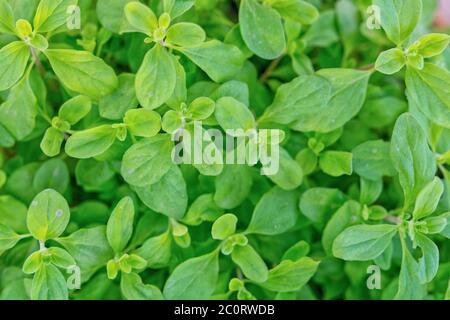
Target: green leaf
(13,62)
(49,284)
(115,105)
(53,174)
(112,14)
(61,258)
(429,262)
(201,108)
(133,288)
(141,17)
(120,225)
(51,14)
(51,142)
(262,29)
(232,115)
(336,163)
(20,122)
(48,215)
(147,161)
(185,34)
(428,199)
(8,238)
(275,213)
(409,287)
(75,109)
(347,98)
(390,61)
(430,45)
(346,215)
(194,279)
(233,186)
(208,53)
(297,251)
(143,123)
(90,249)
(298,101)
(156,250)
(250,263)
(167,196)
(412,157)
(317,204)
(6,18)
(429,89)
(156,78)
(224,227)
(82,72)
(290,276)
(399,18)
(363,242)
(177,7)
(297,10)
(14,214)
(91,143)
(372,161)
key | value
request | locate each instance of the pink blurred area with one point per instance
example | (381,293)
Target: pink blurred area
(443,14)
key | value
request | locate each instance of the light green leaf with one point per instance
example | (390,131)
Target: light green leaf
(224,227)
(275,213)
(51,142)
(250,263)
(49,284)
(429,88)
(186,34)
(13,62)
(336,163)
(317,204)
(120,225)
(143,123)
(371,160)
(233,186)
(409,287)
(141,17)
(6,18)
(51,14)
(428,199)
(194,279)
(254,18)
(147,161)
(390,61)
(297,10)
(112,14)
(48,215)
(430,45)
(75,109)
(82,72)
(429,262)
(167,196)
(156,78)
(208,53)
(399,18)
(290,275)
(8,238)
(412,157)
(363,242)
(156,250)
(133,289)
(20,122)
(232,115)
(91,143)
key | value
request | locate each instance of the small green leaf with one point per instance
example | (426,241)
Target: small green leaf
(120,225)
(224,227)
(75,109)
(250,263)
(61,258)
(13,62)
(399,18)
(83,72)
(143,123)
(429,262)
(186,34)
(297,10)
(372,161)
(8,238)
(51,142)
(201,108)
(390,61)
(133,289)
(51,14)
(6,17)
(147,161)
(195,278)
(115,105)
(409,287)
(430,45)
(233,186)
(141,17)
(90,143)
(49,284)
(336,163)
(232,114)
(428,199)
(254,18)
(363,242)
(48,215)
(290,276)
(156,78)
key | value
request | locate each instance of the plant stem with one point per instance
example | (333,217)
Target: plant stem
(270,69)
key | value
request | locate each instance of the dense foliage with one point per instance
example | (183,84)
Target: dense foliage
(92,205)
